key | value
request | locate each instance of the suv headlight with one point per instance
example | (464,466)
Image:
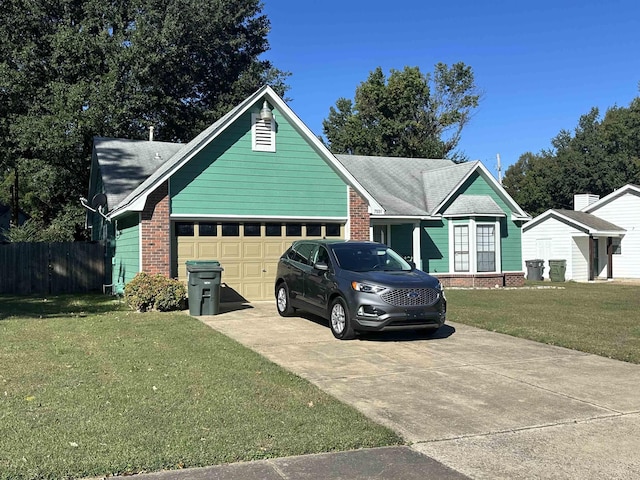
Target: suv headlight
(367,287)
(440,287)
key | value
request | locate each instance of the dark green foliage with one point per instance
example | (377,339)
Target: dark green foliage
(71,70)
(408,114)
(600,157)
(154,292)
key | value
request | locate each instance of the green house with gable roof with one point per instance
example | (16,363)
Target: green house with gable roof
(258,179)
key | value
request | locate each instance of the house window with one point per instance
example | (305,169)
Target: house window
(184,229)
(486,248)
(251,229)
(230,229)
(333,229)
(294,229)
(263,134)
(461,248)
(208,229)
(616,246)
(273,229)
(314,230)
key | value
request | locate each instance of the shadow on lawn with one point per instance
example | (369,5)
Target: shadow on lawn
(57,306)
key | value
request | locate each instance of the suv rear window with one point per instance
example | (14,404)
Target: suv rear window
(301,252)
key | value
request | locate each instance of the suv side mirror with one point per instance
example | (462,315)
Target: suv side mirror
(412,264)
(323,267)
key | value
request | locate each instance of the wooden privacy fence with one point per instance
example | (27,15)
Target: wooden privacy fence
(51,268)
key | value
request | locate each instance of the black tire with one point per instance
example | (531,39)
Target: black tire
(340,321)
(283,303)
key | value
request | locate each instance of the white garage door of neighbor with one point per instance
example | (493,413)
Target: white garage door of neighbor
(247,251)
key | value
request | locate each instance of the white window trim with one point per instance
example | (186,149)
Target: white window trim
(255,118)
(473,251)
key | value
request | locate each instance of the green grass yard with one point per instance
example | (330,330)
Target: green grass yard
(599,318)
(88,388)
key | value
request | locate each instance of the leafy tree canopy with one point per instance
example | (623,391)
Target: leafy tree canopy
(408,114)
(600,156)
(74,69)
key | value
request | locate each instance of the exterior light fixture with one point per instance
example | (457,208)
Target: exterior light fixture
(266,113)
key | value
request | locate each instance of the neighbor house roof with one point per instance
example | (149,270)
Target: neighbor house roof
(134,199)
(422,187)
(586,222)
(629,188)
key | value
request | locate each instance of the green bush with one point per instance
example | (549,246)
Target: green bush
(154,292)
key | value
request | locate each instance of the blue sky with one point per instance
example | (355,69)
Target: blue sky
(539,64)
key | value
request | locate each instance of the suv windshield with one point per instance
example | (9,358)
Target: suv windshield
(367,258)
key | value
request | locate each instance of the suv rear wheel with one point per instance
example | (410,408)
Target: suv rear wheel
(339,320)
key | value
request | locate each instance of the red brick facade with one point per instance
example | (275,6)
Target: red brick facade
(482,280)
(156,232)
(359,220)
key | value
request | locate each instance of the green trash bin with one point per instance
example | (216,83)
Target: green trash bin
(557,269)
(535,268)
(203,286)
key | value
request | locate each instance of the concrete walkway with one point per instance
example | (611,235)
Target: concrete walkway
(485,405)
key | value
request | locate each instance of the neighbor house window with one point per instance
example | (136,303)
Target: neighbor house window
(263,134)
(461,248)
(486,248)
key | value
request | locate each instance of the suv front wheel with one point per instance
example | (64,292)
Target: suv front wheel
(339,320)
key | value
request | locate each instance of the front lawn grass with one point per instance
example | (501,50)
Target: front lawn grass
(599,318)
(89,388)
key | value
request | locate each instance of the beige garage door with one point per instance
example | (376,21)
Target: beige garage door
(248,251)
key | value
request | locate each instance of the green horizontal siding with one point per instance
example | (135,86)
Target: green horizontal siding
(402,239)
(228,178)
(127,251)
(434,246)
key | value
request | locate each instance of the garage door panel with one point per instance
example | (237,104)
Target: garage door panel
(252,250)
(231,250)
(253,290)
(210,251)
(250,263)
(232,270)
(252,270)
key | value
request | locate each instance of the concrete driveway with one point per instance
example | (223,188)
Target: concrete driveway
(485,404)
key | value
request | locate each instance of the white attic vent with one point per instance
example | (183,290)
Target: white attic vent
(263,134)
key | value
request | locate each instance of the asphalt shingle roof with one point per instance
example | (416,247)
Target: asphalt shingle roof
(125,164)
(474,205)
(591,221)
(406,186)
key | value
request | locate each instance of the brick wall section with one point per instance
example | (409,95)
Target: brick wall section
(156,232)
(491,280)
(359,220)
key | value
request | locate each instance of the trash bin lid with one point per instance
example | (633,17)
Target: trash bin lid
(200,265)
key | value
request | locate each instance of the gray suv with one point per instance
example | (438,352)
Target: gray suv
(358,286)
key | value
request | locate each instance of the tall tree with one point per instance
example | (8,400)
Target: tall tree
(598,157)
(408,114)
(74,69)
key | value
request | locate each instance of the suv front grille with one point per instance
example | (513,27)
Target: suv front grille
(411,297)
